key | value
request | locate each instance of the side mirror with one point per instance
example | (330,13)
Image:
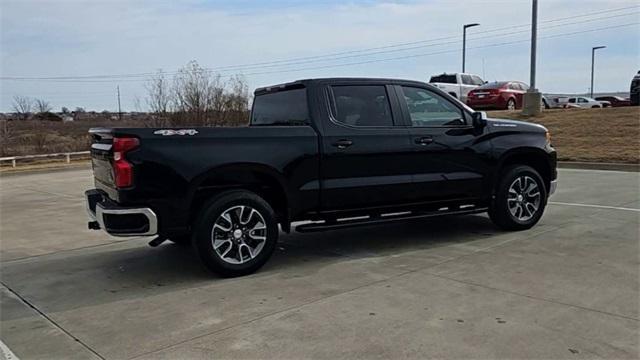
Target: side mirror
(479,119)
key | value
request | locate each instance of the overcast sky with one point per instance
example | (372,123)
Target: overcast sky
(85,38)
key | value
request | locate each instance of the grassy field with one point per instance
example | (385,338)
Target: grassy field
(609,135)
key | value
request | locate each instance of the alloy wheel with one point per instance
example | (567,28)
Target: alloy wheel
(239,234)
(524,198)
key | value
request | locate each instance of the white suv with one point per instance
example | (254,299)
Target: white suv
(457,85)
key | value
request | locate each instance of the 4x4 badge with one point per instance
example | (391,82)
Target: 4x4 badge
(169,132)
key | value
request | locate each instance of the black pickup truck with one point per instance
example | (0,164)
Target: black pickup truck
(330,153)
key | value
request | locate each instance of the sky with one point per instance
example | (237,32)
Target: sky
(79,40)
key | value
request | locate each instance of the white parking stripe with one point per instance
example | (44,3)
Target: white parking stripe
(594,206)
(6,352)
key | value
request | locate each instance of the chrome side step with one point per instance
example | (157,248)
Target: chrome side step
(384,218)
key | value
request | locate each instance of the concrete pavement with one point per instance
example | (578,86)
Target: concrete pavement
(451,287)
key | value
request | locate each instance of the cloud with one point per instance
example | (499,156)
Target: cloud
(54,38)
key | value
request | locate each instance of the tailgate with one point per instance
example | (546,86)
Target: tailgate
(101,156)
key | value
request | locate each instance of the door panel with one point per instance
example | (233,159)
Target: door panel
(364,154)
(447,162)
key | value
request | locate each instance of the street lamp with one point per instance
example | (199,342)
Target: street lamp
(464,41)
(593,54)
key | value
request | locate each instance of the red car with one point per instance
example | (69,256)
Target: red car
(498,95)
(616,101)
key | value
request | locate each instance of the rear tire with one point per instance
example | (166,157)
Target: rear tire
(236,233)
(520,198)
(511,104)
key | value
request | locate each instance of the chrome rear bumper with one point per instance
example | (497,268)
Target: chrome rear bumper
(117,220)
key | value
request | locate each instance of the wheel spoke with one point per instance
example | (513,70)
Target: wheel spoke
(225,229)
(218,243)
(227,251)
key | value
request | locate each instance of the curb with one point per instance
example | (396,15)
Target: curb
(599,166)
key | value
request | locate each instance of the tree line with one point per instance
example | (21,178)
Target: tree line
(194,96)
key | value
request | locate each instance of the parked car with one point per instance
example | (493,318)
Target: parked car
(634,90)
(501,95)
(587,102)
(615,101)
(336,152)
(456,84)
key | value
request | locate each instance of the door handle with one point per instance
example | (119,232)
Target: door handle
(425,140)
(343,143)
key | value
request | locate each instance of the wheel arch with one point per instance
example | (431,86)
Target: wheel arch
(263,180)
(530,156)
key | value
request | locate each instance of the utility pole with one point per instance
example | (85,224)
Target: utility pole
(593,55)
(119,109)
(464,41)
(532,98)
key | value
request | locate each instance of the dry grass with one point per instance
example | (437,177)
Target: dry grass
(609,135)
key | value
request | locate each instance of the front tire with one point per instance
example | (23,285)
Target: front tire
(236,233)
(520,199)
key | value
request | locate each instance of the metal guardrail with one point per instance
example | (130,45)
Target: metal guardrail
(67,157)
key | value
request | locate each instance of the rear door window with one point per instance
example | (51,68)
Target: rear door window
(281,108)
(361,105)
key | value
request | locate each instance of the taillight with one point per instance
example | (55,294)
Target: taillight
(122,169)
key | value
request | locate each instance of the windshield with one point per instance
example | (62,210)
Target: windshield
(444,78)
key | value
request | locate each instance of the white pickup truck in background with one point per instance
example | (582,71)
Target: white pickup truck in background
(457,85)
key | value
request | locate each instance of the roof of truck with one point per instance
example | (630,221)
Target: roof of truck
(304,82)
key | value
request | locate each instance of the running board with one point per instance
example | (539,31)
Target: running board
(382,219)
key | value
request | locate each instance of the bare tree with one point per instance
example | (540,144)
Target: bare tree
(159,94)
(6,135)
(194,91)
(197,97)
(22,106)
(237,101)
(42,106)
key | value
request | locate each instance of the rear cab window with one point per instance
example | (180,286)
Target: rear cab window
(444,78)
(281,108)
(361,105)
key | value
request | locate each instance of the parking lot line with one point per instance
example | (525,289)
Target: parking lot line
(593,206)
(6,353)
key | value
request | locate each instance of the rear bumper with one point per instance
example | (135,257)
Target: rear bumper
(118,220)
(487,103)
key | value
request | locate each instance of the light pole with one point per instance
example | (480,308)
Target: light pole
(464,41)
(593,55)
(532,98)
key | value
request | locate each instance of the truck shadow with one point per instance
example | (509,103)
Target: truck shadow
(132,270)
